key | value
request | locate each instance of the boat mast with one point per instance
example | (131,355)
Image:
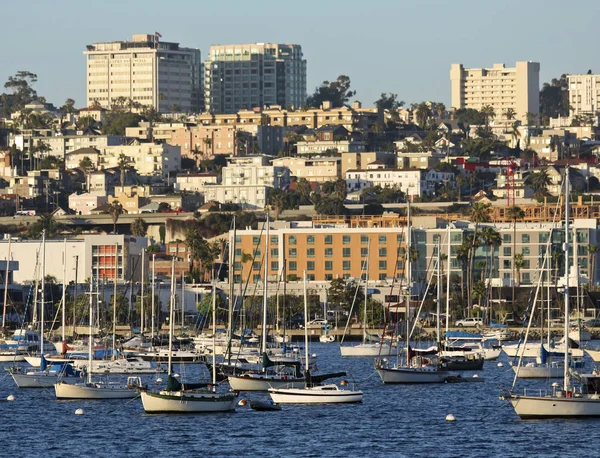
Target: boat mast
(42,297)
(566,251)
(143,316)
(265,296)
(305,325)
(366,293)
(409,285)
(64,288)
(171,315)
(152,300)
(90,340)
(6,287)
(448,284)
(231,287)
(439,292)
(183,303)
(214,331)
(114,320)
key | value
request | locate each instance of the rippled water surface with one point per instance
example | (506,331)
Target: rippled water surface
(393,420)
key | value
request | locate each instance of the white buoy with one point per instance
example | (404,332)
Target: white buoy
(475,376)
(159,380)
(242,402)
(79,412)
(450,417)
(10,398)
(500,365)
(556,384)
(176,375)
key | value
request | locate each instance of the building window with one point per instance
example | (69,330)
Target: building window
(364,239)
(382,239)
(329,252)
(310,277)
(274,252)
(310,252)
(382,276)
(274,240)
(238,239)
(382,252)
(346,240)
(506,238)
(255,239)
(310,240)
(400,238)
(328,240)
(507,251)
(401,252)
(292,252)
(382,265)
(328,277)
(237,266)
(525,238)
(292,240)
(275,265)
(544,237)
(506,264)
(346,265)
(256,265)
(310,265)
(293,265)
(256,278)
(346,252)
(436,238)
(257,253)
(328,265)
(238,252)
(526,277)
(364,252)
(526,251)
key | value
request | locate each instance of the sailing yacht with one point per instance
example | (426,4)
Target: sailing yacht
(417,368)
(188,398)
(566,402)
(309,393)
(91,389)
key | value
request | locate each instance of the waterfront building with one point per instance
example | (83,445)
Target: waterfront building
(146,70)
(584,95)
(247,76)
(500,87)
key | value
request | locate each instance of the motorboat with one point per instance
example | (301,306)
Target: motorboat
(320,394)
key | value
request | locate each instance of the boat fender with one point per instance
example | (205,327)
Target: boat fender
(569,394)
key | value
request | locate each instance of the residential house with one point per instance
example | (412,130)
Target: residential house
(320,169)
(194,182)
(132,198)
(412,182)
(83,204)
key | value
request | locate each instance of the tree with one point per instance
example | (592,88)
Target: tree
(554,98)
(510,114)
(492,240)
(489,113)
(388,102)
(162,232)
(46,222)
(514,213)
(278,201)
(460,181)
(337,92)
(423,114)
(122,164)
(479,291)
(539,181)
(472,181)
(303,188)
(21,87)
(115,209)
(139,227)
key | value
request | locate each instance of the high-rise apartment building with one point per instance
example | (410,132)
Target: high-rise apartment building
(500,87)
(247,76)
(584,94)
(147,71)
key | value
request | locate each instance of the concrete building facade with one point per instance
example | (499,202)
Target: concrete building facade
(247,76)
(145,70)
(584,95)
(499,87)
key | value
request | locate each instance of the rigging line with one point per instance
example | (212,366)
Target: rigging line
(362,270)
(123,405)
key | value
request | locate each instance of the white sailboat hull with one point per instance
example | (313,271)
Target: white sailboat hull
(41,380)
(326,339)
(532,350)
(539,371)
(556,407)
(326,394)
(367,349)
(10,357)
(93,391)
(258,383)
(182,402)
(412,375)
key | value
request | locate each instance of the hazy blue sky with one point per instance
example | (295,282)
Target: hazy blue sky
(405,47)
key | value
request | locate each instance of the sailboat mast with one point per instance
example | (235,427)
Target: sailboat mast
(6,287)
(214,332)
(566,251)
(64,290)
(182,303)
(305,325)
(366,293)
(152,299)
(90,340)
(143,315)
(265,296)
(232,246)
(448,284)
(171,315)
(42,296)
(114,319)
(439,292)
(409,283)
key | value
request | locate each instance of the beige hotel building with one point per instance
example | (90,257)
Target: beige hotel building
(500,87)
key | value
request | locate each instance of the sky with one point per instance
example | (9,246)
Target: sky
(394,46)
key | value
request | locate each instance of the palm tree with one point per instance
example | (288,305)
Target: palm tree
(278,201)
(115,209)
(423,114)
(515,133)
(303,188)
(492,240)
(519,263)
(539,181)
(479,290)
(139,227)
(514,213)
(460,181)
(122,163)
(472,181)
(488,113)
(510,114)
(208,143)
(593,251)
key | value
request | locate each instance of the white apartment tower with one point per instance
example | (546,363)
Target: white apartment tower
(247,76)
(145,70)
(584,94)
(500,87)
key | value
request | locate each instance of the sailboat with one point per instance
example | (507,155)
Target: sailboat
(566,402)
(313,394)
(91,389)
(366,347)
(417,368)
(188,398)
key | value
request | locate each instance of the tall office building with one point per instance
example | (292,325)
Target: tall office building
(500,87)
(584,94)
(239,77)
(146,70)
